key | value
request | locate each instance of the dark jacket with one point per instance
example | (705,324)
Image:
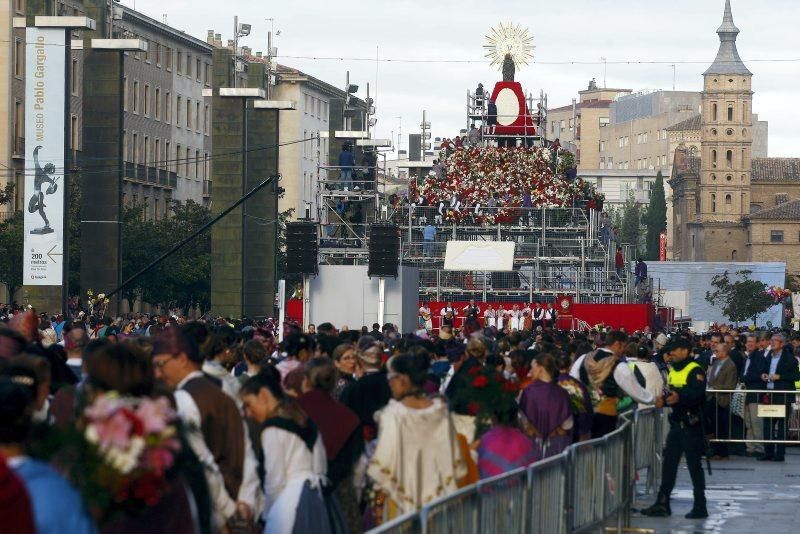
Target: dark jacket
(751,374)
(346,159)
(691,397)
(366,396)
(787,369)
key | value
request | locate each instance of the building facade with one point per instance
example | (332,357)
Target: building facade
(578,126)
(727,204)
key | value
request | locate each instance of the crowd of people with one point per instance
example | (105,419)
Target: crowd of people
(214,426)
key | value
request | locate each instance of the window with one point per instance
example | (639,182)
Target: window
(178,159)
(621,140)
(208,74)
(73,78)
(147,100)
(604,121)
(188,160)
(644,138)
(188,70)
(158,54)
(728,200)
(571,124)
(197,115)
(602,146)
(713,203)
(602,163)
(73,133)
(563,125)
(146,151)
(729,158)
(178,108)
(167,154)
(730,112)
(157,154)
(168,104)
(610,163)
(198,69)
(168,57)
(179,62)
(197,164)
(19,131)
(188,113)
(714,111)
(135,96)
(733,255)
(206,166)
(776,236)
(19,6)
(206,120)
(19,58)
(135,149)
(125,93)
(714,158)
(158,104)
(147,53)
(627,140)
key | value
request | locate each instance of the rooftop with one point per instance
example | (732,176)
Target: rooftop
(578,106)
(689,124)
(728,60)
(788,211)
(776,170)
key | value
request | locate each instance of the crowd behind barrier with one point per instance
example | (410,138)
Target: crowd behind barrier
(589,485)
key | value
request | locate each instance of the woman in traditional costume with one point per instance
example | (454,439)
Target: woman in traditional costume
(545,408)
(489,317)
(417,458)
(294,461)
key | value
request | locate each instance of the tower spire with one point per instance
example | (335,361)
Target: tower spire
(728,60)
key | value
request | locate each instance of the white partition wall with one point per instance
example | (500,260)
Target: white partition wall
(345,295)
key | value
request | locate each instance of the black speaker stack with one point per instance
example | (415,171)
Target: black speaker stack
(384,250)
(301,247)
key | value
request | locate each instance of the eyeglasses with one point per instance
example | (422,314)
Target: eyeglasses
(159,364)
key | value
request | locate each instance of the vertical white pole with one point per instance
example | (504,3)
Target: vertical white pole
(306,301)
(281,307)
(381,299)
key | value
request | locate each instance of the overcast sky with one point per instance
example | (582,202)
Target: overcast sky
(681,31)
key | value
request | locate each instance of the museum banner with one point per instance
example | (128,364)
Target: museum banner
(45,58)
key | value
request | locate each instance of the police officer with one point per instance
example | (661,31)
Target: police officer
(686,396)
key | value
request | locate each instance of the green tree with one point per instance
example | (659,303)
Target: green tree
(656,218)
(184,279)
(11,245)
(740,300)
(629,229)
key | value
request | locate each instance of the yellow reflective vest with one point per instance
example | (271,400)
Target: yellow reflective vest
(679,379)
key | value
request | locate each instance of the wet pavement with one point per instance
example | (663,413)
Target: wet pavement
(744,496)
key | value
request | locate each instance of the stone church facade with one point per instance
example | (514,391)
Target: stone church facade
(727,205)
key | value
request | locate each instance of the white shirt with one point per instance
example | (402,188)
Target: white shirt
(224,506)
(625,380)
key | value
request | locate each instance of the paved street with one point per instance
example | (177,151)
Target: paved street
(744,496)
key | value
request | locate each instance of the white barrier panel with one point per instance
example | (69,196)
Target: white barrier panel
(479,256)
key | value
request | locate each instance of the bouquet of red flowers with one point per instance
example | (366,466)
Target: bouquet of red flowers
(778,294)
(489,393)
(119,453)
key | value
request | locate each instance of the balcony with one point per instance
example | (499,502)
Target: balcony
(163,177)
(141,172)
(130,170)
(206,188)
(173,179)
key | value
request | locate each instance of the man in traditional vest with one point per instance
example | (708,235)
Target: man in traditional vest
(686,396)
(216,433)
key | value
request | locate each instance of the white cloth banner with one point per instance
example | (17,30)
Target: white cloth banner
(45,63)
(479,256)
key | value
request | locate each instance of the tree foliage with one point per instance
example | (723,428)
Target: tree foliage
(656,218)
(184,279)
(11,243)
(740,300)
(629,229)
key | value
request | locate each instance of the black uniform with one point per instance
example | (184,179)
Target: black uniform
(685,437)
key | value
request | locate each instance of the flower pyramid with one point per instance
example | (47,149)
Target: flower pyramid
(474,175)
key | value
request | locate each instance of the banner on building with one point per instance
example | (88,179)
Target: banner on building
(662,247)
(45,58)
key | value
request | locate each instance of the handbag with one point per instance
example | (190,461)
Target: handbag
(737,401)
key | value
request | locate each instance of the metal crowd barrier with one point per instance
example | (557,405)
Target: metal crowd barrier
(586,487)
(775,410)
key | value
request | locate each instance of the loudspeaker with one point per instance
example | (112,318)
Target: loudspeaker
(301,248)
(384,250)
